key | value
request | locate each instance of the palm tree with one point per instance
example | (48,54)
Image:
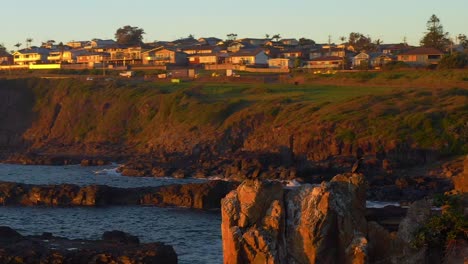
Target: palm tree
(343,38)
(277,37)
(61,48)
(28,41)
(18,45)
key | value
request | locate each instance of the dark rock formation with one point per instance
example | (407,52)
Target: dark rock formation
(196,195)
(48,249)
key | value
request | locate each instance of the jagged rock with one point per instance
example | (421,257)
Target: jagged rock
(324,224)
(253,223)
(51,250)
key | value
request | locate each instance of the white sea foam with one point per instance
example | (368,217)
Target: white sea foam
(380,204)
(111,171)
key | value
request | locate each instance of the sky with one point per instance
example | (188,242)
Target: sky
(390,21)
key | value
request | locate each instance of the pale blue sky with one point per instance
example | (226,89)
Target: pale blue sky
(63,20)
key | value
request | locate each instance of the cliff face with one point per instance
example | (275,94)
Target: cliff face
(70,117)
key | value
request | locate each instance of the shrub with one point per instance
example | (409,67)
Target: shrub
(396,65)
(441,230)
(456,60)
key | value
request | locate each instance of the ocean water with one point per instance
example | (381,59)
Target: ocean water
(76,174)
(195,235)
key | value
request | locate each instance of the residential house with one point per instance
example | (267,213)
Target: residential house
(184,42)
(326,62)
(235,46)
(5,58)
(421,56)
(333,51)
(207,58)
(362,60)
(201,50)
(57,56)
(378,60)
(92,58)
(255,41)
(249,57)
(282,63)
(293,54)
(315,53)
(123,55)
(374,60)
(30,56)
(211,41)
(77,44)
(100,45)
(164,56)
(394,49)
(289,42)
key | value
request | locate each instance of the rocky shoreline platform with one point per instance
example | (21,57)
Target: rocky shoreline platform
(114,247)
(205,195)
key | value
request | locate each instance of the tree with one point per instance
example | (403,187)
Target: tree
(277,37)
(306,42)
(361,42)
(2,47)
(456,60)
(463,40)
(435,36)
(28,42)
(231,36)
(267,36)
(129,35)
(18,45)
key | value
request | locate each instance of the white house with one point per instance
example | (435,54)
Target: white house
(280,63)
(249,57)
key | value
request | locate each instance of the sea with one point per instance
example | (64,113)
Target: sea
(194,234)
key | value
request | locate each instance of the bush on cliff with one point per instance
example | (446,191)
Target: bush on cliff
(442,231)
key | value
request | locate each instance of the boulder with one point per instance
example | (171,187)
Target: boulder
(120,237)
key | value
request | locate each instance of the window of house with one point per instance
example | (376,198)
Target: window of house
(433,57)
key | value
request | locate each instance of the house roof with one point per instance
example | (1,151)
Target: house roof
(203,55)
(201,48)
(246,52)
(423,51)
(4,53)
(93,54)
(328,58)
(33,50)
